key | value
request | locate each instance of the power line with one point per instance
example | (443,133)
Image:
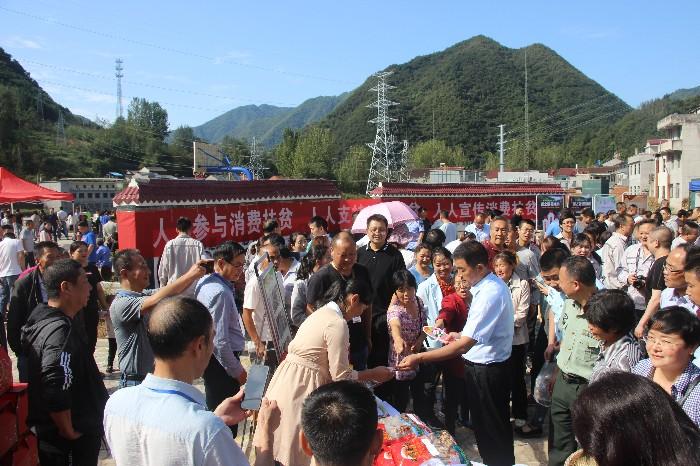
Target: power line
(165,48)
(163,88)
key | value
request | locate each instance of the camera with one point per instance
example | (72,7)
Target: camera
(640,282)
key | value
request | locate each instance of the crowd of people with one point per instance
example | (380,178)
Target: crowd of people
(446,326)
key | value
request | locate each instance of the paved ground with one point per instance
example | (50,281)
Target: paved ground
(529,452)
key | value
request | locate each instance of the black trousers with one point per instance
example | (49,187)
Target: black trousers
(455,398)
(518,388)
(57,451)
(488,389)
(91,319)
(218,386)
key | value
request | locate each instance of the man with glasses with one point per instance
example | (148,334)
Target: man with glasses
(676,293)
(224,374)
(130,311)
(567,221)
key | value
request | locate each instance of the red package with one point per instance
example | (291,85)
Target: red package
(410,452)
(5,370)
(384,458)
(8,429)
(16,399)
(27,452)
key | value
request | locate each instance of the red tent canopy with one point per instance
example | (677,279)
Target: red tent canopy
(15,189)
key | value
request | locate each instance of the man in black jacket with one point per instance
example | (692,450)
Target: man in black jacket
(28,293)
(66,393)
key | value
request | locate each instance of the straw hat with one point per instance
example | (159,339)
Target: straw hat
(579,458)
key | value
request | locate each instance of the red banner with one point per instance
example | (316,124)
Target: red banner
(149,230)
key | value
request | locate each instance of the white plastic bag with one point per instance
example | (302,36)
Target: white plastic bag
(544,380)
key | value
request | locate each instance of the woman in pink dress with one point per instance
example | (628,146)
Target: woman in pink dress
(317,355)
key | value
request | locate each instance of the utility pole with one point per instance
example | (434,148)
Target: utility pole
(501,150)
(119,74)
(527,120)
(60,129)
(387,165)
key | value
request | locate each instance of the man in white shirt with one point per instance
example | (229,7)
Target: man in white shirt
(480,229)
(11,265)
(179,255)
(675,293)
(668,220)
(164,421)
(614,251)
(634,269)
(485,344)
(688,234)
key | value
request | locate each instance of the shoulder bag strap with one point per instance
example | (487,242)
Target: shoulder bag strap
(689,390)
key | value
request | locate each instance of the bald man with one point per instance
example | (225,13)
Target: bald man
(659,244)
(343,266)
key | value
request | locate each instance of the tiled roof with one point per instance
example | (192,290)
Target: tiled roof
(164,192)
(390,190)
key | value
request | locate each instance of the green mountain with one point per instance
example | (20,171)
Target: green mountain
(681,94)
(266,122)
(461,95)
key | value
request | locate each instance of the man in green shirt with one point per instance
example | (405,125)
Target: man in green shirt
(577,355)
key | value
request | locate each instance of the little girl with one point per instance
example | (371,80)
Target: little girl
(406,318)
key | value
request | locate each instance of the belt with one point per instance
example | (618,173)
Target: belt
(133,377)
(491,364)
(570,378)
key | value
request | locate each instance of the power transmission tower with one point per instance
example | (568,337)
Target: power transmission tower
(256,162)
(387,165)
(40,104)
(501,150)
(119,74)
(527,120)
(60,128)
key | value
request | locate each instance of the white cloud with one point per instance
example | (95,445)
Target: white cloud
(21,43)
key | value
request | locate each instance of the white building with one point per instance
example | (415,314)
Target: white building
(91,194)
(678,157)
(641,169)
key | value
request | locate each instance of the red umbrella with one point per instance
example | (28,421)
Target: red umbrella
(396,213)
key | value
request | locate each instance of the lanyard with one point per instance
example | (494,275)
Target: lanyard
(175,392)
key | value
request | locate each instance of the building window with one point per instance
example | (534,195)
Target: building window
(81,195)
(105,195)
(678,190)
(89,195)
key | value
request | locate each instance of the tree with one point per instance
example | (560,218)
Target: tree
(148,117)
(284,152)
(353,170)
(312,155)
(182,138)
(431,153)
(237,150)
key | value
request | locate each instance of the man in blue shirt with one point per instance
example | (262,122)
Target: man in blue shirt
(225,373)
(89,238)
(485,344)
(164,420)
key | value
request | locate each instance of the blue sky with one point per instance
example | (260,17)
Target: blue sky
(200,59)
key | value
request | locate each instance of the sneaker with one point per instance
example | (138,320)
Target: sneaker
(529,431)
(519,423)
(110,370)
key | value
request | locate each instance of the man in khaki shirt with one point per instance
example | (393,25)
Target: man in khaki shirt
(577,355)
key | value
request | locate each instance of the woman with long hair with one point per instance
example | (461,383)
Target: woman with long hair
(317,355)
